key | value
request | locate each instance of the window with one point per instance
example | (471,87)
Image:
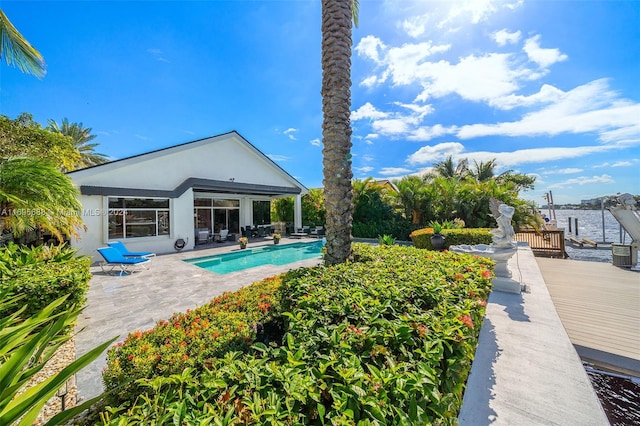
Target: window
(261,212)
(138,217)
(217,214)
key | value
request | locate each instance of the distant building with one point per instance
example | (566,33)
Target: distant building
(591,202)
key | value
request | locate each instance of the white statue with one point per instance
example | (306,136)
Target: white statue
(503,236)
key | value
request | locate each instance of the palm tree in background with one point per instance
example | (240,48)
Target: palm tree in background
(483,171)
(81,137)
(447,169)
(16,50)
(337,19)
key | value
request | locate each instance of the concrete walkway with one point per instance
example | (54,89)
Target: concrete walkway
(526,371)
(119,305)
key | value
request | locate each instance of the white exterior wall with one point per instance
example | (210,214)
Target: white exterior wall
(219,160)
(223,158)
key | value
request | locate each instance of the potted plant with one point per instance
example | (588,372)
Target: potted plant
(243,242)
(437,239)
(276,238)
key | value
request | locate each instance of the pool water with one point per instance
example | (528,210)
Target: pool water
(266,255)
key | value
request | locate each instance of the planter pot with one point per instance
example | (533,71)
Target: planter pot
(243,246)
(276,241)
(437,242)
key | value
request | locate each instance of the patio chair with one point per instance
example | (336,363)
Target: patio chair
(114,259)
(119,245)
(223,235)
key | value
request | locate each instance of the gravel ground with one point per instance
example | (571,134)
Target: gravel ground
(65,355)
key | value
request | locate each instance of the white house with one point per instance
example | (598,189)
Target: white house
(150,201)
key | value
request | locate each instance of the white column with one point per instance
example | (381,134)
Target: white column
(297,212)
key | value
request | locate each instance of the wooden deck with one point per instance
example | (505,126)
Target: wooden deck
(547,243)
(599,306)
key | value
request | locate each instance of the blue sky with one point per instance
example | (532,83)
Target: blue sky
(548,88)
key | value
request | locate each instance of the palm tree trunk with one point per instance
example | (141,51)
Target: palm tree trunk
(336,127)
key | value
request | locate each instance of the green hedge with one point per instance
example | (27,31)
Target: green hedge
(231,322)
(398,229)
(422,237)
(386,339)
(43,274)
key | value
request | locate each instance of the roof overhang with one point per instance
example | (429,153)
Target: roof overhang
(198,184)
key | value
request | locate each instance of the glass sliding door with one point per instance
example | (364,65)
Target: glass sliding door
(217,214)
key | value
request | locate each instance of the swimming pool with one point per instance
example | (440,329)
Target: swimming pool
(265,255)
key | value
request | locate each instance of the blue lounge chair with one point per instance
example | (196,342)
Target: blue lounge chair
(114,259)
(118,245)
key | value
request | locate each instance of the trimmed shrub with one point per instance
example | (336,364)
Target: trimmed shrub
(386,339)
(230,322)
(422,237)
(42,275)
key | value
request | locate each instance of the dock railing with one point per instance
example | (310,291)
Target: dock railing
(546,243)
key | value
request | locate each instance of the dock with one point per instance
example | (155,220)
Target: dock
(599,306)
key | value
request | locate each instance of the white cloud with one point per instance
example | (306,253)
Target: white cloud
(316,142)
(362,170)
(157,54)
(416,25)
(543,57)
(588,108)
(568,171)
(367,111)
(621,164)
(277,157)
(503,37)
(546,95)
(583,180)
(394,171)
(290,132)
(370,47)
(426,133)
(404,120)
(431,154)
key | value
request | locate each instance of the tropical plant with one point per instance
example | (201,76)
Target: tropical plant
(81,137)
(313,210)
(25,347)
(24,137)
(483,171)
(282,210)
(413,198)
(436,226)
(386,240)
(447,169)
(33,193)
(337,19)
(385,339)
(16,50)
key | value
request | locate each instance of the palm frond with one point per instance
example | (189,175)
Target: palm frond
(16,50)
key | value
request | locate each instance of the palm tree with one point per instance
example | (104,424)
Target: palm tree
(34,194)
(413,196)
(447,169)
(81,137)
(483,171)
(16,50)
(337,19)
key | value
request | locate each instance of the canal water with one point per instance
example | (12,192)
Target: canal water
(619,396)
